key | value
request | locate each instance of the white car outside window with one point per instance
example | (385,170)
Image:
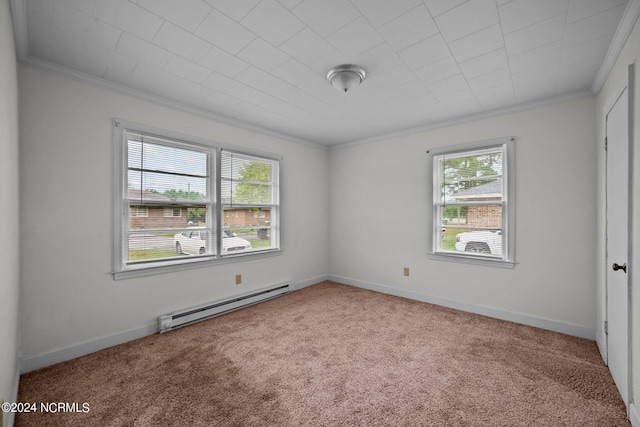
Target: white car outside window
(482,242)
(194,242)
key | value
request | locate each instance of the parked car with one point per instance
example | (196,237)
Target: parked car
(482,242)
(231,243)
(194,241)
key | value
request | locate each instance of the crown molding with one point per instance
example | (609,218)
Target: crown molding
(628,21)
(470,118)
(160,100)
(19,16)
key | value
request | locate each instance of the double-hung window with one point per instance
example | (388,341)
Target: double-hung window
(471,203)
(249,199)
(181,202)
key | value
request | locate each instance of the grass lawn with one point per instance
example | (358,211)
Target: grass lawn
(147,254)
(260,243)
(144,254)
(449,238)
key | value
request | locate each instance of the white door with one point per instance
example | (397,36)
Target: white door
(617,242)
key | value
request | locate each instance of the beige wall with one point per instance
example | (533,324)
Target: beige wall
(618,77)
(9,202)
(68,294)
(553,283)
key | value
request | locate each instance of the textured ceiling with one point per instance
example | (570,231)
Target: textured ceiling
(264,62)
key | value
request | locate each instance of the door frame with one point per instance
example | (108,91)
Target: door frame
(601,336)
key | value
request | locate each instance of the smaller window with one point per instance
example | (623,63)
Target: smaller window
(250,201)
(172,212)
(471,195)
(139,211)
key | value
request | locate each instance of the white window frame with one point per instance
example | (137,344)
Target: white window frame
(434,221)
(170,213)
(273,207)
(123,269)
(140,211)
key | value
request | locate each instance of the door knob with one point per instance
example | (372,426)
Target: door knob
(617,267)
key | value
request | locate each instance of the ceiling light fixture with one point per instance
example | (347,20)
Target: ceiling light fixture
(346,77)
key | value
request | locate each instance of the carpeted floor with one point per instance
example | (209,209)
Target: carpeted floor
(335,355)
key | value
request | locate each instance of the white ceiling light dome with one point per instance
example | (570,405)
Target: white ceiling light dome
(345,77)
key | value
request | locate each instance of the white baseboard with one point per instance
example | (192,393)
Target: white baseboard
(52,357)
(525,319)
(634,415)
(309,282)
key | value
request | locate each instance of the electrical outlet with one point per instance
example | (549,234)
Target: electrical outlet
(406,271)
(238,279)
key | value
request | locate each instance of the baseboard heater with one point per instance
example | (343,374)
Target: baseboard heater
(181,318)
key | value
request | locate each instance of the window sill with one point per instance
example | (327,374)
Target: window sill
(474,260)
(142,270)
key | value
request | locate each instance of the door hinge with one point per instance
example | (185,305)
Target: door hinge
(606,327)
(606,144)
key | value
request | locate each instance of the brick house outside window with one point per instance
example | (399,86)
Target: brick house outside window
(489,217)
(155,216)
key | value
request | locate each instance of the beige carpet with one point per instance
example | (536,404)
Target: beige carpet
(335,355)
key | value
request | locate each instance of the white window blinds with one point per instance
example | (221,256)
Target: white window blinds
(472,213)
(168,193)
(250,198)
(180,202)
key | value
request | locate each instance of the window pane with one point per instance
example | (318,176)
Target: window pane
(453,215)
(246,180)
(165,158)
(246,193)
(173,212)
(153,187)
(471,177)
(250,224)
(238,240)
(150,246)
(483,220)
(138,211)
(193,241)
(477,241)
(238,167)
(485,216)
(234,218)
(160,172)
